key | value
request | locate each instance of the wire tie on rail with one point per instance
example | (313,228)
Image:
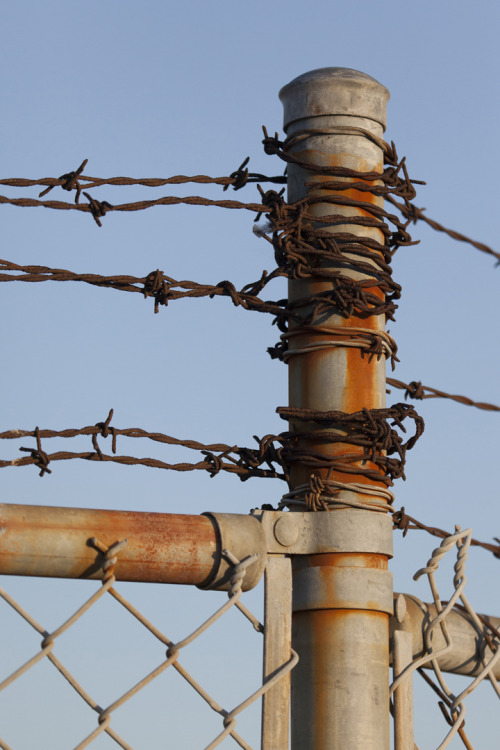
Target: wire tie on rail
(110,556)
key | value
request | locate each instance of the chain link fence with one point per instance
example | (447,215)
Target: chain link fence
(432,640)
(170,655)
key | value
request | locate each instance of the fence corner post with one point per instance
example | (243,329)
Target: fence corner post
(335,117)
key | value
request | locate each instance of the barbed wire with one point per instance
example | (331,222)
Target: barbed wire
(405,523)
(416,390)
(165,289)
(351,268)
(414,214)
(368,429)
(301,246)
(217,457)
(77,181)
(156,284)
(98,209)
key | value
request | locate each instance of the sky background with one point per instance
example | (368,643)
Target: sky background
(163,88)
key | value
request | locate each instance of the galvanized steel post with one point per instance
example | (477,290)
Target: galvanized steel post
(342,600)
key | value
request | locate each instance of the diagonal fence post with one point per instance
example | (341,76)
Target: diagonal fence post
(335,117)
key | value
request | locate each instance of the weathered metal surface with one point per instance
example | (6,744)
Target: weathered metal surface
(359,582)
(161,547)
(277,647)
(334,378)
(348,530)
(243,536)
(340,690)
(55,542)
(334,91)
(469,646)
(403,695)
(337,702)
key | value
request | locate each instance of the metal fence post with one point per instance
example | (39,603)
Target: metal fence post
(342,600)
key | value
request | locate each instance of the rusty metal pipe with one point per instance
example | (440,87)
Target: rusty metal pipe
(161,547)
(342,601)
(470,650)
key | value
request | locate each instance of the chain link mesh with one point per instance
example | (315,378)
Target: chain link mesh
(438,641)
(172,653)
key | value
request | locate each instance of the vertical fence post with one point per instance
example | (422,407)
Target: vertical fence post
(402,657)
(342,600)
(277,645)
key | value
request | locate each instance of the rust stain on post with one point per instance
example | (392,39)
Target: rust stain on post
(338,640)
(349,559)
(358,378)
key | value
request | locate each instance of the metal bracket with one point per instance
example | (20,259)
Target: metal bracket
(351,530)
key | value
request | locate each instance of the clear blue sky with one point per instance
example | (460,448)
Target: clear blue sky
(162,88)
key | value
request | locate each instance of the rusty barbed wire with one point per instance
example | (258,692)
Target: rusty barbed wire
(414,214)
(370,342)
(368,429)
(165,289)
(359,283)
(300,247)
(416,390)
(271,458)
(76,180)
(98,209)
(217,457)
(404,522)
(156,284)
(273,145)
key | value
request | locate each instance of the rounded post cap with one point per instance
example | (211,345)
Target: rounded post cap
(334,91)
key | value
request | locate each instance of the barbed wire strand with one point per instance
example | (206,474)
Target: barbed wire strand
(76,180)
(414,214)
(416,390)
(73,180)
(98,209)
(405,523)
(156,284)
(245,462)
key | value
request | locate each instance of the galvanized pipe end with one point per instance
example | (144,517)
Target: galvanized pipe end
(334,91)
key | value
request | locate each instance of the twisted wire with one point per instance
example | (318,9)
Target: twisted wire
(216,457)
(416,390)
(405,523)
